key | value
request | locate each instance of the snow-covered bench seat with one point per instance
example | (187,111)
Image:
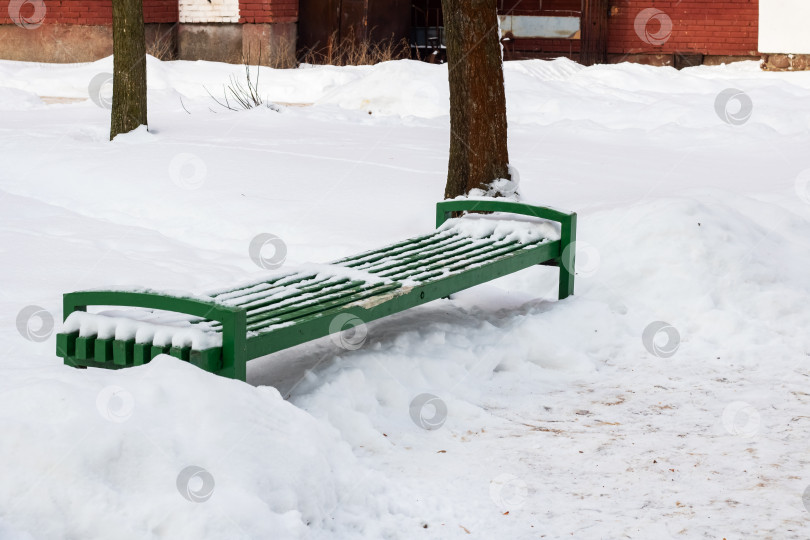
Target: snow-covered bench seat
(222,330)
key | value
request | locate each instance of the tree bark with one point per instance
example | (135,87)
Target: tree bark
(478,151)
(593,39)
(129,67)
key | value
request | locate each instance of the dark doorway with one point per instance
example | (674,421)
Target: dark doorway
(322,22)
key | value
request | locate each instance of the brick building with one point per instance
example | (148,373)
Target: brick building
(81,30)
(669,32)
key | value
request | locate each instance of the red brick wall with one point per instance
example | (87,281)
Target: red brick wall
(722,27)
(160,11)
(155,11)
(92,12)
(713,27)
(268,11)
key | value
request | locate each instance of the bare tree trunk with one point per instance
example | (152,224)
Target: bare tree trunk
(478,152)
(129,67)
(593,42)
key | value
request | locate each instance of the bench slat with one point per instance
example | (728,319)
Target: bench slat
(436,260)
(272,308)
(261,290)
(85,347)
(123,352)
(317,310)
(348,261)
(435,242)
(292,294)
(141,354)
(446,247)
(438,270)
(225,293)
(352,287)
(337,299)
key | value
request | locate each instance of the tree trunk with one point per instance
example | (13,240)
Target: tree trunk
(593,39)
(478,152)
(129,67)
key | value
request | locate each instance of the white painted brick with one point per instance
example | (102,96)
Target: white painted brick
(202,11)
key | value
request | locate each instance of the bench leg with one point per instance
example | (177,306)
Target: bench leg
(566,282)
(567,260)
(234,346)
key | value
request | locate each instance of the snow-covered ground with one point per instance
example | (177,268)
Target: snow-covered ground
(667,399)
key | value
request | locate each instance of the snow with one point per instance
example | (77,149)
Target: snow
(131,326)
(560,421)
(503,227)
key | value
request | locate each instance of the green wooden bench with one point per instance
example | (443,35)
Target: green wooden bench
(221,331)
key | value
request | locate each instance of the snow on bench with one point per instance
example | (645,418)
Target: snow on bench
(222,329)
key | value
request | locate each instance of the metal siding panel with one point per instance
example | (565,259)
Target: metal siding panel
(522,26)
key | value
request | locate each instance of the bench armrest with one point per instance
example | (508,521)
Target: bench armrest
(567,221)
(233,319)
(195,306)
(445,208)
